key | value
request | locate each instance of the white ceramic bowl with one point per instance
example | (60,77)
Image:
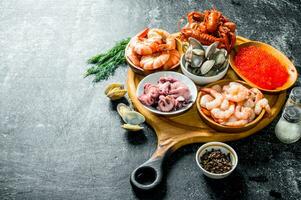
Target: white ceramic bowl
(202,80)
(153,79)
(224,149)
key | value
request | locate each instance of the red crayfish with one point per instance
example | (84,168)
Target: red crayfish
(208,27)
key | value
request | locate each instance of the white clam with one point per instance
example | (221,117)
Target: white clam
(131,127)
(115,91)
(207,65)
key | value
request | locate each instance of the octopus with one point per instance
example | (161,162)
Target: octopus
(169,94)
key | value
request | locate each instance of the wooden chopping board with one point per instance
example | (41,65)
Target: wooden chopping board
(174,132)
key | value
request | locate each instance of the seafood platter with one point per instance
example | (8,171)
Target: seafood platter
(202,84)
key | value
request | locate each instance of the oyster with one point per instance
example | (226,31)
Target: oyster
(211,49)
(131,127)
(206,67)
(115,91)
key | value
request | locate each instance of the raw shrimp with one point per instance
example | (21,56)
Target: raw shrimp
(218,98)
(262,104)
(237,123)
(218,88)
(225,88)
(256,95)
(252,116)
(154,61)
(174,58)
(145,46)
(225,104)
(223,114)
(133,56)
(242,112)
(205,99)
(236,92)
(249,103)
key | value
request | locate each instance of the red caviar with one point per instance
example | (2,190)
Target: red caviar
(260,67)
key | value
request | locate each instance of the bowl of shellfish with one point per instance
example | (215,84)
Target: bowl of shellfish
(153,50)
(231,106)
(204,64)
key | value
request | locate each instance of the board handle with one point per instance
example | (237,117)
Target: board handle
(149,175)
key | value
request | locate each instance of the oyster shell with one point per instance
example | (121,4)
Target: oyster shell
(131,127)
(211,49)
(115,91)
(207,66)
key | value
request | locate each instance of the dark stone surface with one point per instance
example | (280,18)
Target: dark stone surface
(60,137)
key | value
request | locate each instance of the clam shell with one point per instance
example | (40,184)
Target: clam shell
(219,58)
(197,61)
(187,64)
(207,65)
(198,52)
(131,127)
(115,91)
(195,44)
(224,51)
(122,109)
(188,54)
(112,86)
(211,49)
(133,118)
(224,65)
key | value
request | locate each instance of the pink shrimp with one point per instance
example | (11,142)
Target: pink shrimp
(205,99)
(174,58)
(242,112)
(223,114)
(218,98)
(154,61)
(143,45)
(262,104)
(237,123)
(133,56)
(236,92)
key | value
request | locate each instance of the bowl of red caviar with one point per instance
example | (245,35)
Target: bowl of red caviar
(263,66)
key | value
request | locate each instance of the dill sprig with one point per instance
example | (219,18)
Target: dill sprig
(105,64)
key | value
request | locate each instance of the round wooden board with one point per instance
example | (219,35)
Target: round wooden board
(177,131)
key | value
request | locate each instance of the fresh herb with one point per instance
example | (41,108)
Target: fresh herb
(105,64)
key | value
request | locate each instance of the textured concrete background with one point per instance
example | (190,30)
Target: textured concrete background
(60,137)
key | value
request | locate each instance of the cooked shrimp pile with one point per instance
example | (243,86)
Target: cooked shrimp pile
(168,95)
(153,49)
(233,104)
